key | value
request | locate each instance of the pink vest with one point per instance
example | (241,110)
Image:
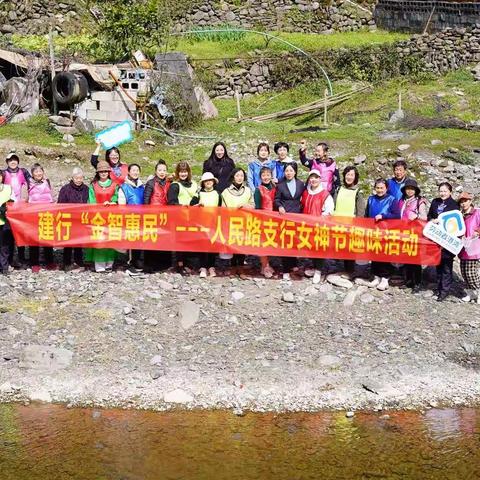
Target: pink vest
(410,209)
(472,224)
(16,180)
(40,192)
(327,172)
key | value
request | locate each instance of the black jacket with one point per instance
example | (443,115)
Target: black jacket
(221,169)
(71,193)
(433,213)
(450,204)
(284,199)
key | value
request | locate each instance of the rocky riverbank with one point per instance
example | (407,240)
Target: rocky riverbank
(161,341)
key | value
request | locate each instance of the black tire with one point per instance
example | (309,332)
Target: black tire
(69,88)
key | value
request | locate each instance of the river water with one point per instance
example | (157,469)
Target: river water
(50,442)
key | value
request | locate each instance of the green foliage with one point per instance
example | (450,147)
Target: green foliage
(84,46)
(229,34)
(373,63)
(128,25)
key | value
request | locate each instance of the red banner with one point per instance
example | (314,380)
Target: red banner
(218,229)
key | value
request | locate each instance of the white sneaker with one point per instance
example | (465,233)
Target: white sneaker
(375,282)
(286,276)
(203,273)
(467,298)
(309,272)
(212,272)
(383,285)
(317,277)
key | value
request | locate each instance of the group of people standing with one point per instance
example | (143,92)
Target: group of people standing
(267,184)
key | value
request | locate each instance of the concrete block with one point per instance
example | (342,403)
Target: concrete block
(117,106)
(115,95)
(108,116)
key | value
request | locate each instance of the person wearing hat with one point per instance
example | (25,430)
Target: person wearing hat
(17,178)
(322,162)
(282,150)
(288,199)
(6,237)
(119,170)
(220,165)
(207,196)
(318,202)
(443,203)
(412,207)
(470,255)
(104,192)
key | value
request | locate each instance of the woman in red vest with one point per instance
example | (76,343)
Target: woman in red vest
(156,191)
(316,201)
(119,170)
(264,196)
(104,192)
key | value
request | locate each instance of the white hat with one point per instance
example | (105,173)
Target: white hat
(314,171)
(208,176)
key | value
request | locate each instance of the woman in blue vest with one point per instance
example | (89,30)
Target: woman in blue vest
(131,193)
(381,206)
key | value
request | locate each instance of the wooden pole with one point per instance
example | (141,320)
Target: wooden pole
(52,68)
(239,110)
(325,108)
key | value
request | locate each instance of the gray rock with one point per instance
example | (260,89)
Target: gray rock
(359,159)
(83,125)
(367,298)
(177,396)
(189,313)
(236,296)
(42,357)
(288,297)
(156,360)
(339,281)
(403,147)
(60,120)
(330,361)
(150,321)
(68,138)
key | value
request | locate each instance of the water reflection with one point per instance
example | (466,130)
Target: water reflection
(52,442)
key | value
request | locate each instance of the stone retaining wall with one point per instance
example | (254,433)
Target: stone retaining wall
(38,16)
(286,15)
(437,53)
(414,15)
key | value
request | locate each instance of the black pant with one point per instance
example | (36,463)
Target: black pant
(413,274)
(20,253)
(155,260)
(238,260)
(6,242)
(136,256)
(349,265)
(35,255)
(318,263)
(207,260)
(381,269)
(288,263)
(77,256)
(445,274)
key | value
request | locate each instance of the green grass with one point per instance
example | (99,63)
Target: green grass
(356,126)
(89,46)
(207,49)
